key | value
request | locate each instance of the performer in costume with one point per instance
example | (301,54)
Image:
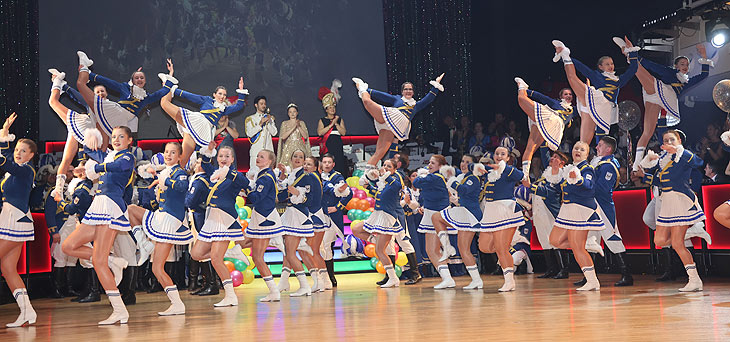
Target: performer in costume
(195,201)
(260,127)
(220,225)
(393,118)
(679,207)
(548,119)
(80,126)
(331,127)
(17,223)
(435,195)
(578,214)
(198,128)
(295,222)
(465,217)
(596,99)
(107,216)
(606,169)
(333,203)
(546,201)
(166,226)
(501,213)
(387,184)
(664,92)
(265,221)
(293,136)
(132,97)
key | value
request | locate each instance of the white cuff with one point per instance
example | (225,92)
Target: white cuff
(142,170)
(92,138)
(363,181)
(339,193)
(647,162)
(572,168)
(632,49)
(90,173)
(9,138)
(479,169)
(242,91)
(447,171)
(372,175)
(422,172)
(219,174)
(495,175)
(707,61)
(450,183)
(208,152)
(437,85)
(298,199)
(678,155)
(413,205)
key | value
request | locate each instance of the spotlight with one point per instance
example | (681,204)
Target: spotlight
(717,32)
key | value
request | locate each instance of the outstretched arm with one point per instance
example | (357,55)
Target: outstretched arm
(382,97)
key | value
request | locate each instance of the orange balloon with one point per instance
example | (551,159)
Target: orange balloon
(244,225)
(352,204)
(380,268)
(370,250)
(371,209)
(363,204)
(231,267)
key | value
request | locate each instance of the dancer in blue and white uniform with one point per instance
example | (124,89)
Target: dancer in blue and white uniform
(336,194)
(80,126)
(132,96)
(387,185)
(679,207)
(15,219)
(548,118)
(465,217)
(435,196)
(393,118)
(295,222)
(198,128)
(597,101)
(546,200)
(663,92)
(107,216)
(578,215)
(221,224)
(501,213)
(167,225)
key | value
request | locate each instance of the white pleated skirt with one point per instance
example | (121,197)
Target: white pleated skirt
(197,126)
(262,227)
(550,125)
(666,98)
(677,209)
(574,216)
(162,227)
(219,226)
(426,225)
(110,114)
(381,222)
(296,223)
(320,220)
(16,225)
(77,124)
(461,219)
(603,112)
(105,212)
(501,214)
(396,122)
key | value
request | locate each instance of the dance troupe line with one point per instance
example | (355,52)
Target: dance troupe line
(571,204)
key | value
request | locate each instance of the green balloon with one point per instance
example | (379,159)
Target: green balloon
(358,173)
(398,270)
(228,259)
(365,214)
(242,214)
(239,264)
(374,262)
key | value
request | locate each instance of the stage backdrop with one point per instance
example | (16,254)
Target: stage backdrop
(284,49)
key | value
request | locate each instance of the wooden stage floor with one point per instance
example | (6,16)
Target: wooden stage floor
(540,310)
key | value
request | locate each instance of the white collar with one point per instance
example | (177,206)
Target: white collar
(552,179)
(138,93)
(411,102)
(684,78)
(219,105)
(565,104)
(611,75)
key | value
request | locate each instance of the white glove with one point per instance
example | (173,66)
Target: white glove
(219,174)
(90,173)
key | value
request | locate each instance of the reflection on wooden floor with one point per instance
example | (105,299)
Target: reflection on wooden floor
(539,310)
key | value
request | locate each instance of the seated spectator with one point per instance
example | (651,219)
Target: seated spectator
(710,149)
(479,142)
(497,127)
(714,174)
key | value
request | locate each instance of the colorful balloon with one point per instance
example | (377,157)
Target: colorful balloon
(244,225)
(398,270)
(351,214)
(251,265)
(370,250)
(401,260)
(240,201)
(237,278)
(248,276)
(365,215)
(231,244)
(240,265)
(363,204)
(380,268)
(374,262)
(229,265)
(247,251)
(360,194)
(351,204)
(371,202)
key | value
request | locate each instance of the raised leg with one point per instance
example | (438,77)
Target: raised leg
(385,137)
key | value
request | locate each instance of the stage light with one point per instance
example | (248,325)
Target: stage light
(717,32)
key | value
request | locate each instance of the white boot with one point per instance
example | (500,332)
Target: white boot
(361,86)
(446,281)
(447,250)
(620,42)
(119,313)
(324,278)
(476,279)
(176,307)
(165,77)
(304,289)
(393,280)
(316,287)
(521,84)
(509,280)
(84,61)
(519,256)
(698,230)
(278,243)
(230,299)
(564,54)
(117,266)
(274,293)
(58,82)
(592,283)
(27,314)
(695,283)
(592,245)
(145,247)
(284,280)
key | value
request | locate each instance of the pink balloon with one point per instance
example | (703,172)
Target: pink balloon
(371,201)
(360,194)
(353,189)
(237,278)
